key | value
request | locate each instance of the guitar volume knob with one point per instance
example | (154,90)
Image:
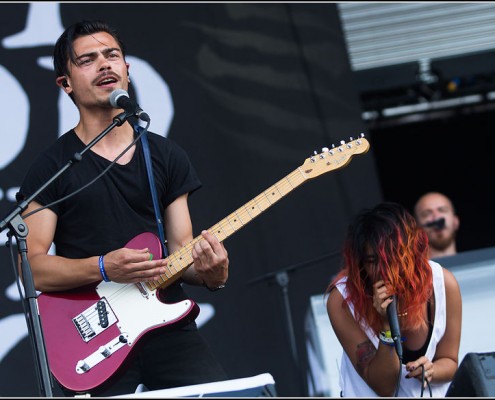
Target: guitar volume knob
(105,352)
(82,366)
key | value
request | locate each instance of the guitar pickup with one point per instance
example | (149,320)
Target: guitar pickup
(142,289)
(94,320)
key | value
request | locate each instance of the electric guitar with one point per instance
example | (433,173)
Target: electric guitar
(91,331)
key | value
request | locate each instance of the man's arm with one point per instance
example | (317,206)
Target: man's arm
(51,272)
(56,273)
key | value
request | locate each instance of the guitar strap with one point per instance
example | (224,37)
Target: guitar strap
(149,169)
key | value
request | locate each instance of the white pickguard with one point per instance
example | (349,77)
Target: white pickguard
(138,309)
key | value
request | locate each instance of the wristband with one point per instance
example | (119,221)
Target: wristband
(386,338)
(102,269)
(213,289)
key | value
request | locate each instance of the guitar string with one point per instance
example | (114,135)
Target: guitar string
(257,206)
(243,211)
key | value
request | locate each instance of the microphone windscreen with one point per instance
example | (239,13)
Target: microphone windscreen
(115,95)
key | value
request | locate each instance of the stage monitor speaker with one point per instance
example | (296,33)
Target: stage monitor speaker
(475,377)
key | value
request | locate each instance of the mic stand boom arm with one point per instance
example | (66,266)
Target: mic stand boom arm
(19,229)
(117,121)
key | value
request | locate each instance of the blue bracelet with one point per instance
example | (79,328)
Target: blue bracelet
(102,269)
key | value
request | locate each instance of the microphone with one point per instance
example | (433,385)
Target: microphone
(393,321)
(437,224)
(119,98)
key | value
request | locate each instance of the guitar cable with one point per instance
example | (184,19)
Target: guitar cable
(399,377)
(423,380)
(145,130)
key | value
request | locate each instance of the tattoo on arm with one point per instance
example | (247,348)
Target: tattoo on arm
(365,352)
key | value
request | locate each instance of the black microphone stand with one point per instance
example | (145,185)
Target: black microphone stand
(19,229)
(281,277)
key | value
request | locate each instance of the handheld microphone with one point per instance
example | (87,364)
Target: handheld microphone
(437,224)
(393,321)
(119,98)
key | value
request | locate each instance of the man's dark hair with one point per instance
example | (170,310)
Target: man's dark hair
(64,47)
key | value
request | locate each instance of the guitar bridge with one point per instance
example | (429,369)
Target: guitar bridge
(94,320)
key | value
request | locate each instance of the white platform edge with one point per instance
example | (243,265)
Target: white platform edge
(205,388)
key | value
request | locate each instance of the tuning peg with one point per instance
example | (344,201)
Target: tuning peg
(351,139)
(360,137)
(325,149)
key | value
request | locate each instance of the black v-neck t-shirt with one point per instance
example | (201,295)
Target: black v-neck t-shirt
(117,207)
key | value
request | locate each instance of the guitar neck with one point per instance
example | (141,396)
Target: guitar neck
(328,160)
(179,260)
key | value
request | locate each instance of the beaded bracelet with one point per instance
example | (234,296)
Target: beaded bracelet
(386,338)
(102,269)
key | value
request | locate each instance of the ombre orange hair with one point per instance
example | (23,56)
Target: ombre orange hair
(400,248)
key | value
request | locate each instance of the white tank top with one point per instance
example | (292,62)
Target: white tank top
(352,385)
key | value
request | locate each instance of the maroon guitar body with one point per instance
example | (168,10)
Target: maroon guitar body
(90,332)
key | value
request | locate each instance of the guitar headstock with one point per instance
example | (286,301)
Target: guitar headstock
(334,158)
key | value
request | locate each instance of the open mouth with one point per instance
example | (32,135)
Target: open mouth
(106,81)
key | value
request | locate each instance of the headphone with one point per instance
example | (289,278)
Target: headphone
(65,84)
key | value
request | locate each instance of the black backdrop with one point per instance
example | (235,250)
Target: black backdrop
(256,89)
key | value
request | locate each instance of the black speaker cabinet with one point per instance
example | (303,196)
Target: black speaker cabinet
(475,377)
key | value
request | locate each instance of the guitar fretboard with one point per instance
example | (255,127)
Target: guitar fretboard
(179,260)
(328,160)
